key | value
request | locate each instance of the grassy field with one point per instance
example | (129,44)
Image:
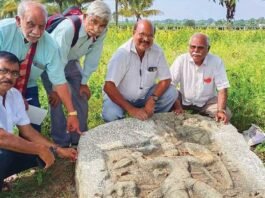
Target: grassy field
(241,51)
(243,54)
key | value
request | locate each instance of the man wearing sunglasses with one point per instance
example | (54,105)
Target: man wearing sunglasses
(202,79)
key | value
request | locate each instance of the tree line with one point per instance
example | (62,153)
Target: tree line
(127,8)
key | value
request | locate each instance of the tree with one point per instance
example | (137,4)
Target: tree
(8,8)
(137,8)
(230,8)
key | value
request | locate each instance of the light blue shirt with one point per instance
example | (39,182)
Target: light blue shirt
(13,113)
(64,34)
(47,56)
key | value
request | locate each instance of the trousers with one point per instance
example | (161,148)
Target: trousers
(111,111)
(58,121)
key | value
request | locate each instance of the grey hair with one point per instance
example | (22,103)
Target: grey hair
(23,6)
(100,9)
(198,34)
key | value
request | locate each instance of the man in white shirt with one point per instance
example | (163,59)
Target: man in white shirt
(130,85)
(202,80)
(29,148)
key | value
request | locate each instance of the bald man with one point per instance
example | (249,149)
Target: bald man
(202,80)
(130,84)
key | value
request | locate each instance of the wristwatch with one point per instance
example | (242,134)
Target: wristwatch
(72,113)
(154,97)
(222,110)
(53,150)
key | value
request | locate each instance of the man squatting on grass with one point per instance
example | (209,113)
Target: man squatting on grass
(29,148)
(199,74)
(130,85)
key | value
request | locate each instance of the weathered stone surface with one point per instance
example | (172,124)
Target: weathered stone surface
(167,156)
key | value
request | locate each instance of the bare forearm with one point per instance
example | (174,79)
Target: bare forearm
(30,134)
(222,99)
(15,143)
(64,94)
(161,87)
(114,94)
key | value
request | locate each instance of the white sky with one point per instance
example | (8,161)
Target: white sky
(203,9)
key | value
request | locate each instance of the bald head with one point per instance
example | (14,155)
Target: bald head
(144,22)
(143,35)
(199,46)
(202,37)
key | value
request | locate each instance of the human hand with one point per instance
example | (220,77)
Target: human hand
(138,113)
(221,116)
(68,153)
(46,156)
(54,99)
(84,91)
(73,124)
(149,107)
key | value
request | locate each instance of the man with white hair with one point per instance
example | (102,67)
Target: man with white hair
(89,44)
(202,80)
(18,36)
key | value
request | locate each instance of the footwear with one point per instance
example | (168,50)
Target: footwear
(254,135)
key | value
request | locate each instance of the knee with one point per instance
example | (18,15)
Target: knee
(110,113)
(171,94)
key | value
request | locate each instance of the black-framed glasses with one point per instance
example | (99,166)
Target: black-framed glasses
(14,73)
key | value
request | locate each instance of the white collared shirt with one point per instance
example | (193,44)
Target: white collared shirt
(134,77)
(198,84)
(13,113)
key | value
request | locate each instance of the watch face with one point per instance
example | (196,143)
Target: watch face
(155,98)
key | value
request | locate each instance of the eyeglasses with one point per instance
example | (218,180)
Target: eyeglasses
(97,22)
(143,35)
(199,47)
(14,73)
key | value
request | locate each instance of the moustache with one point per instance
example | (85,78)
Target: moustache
(34,36)
(6,81)
(145,42)
(196,54)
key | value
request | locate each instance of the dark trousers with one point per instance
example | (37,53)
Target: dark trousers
(13,162)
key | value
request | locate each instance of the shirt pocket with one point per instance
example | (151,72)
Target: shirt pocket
(150,76)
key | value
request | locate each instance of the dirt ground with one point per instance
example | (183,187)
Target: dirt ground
(57,182)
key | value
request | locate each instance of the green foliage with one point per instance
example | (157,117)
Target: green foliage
(241,51)
(137,8)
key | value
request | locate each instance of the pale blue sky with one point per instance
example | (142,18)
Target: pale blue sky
(203,9)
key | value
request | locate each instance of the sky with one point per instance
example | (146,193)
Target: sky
(202,9)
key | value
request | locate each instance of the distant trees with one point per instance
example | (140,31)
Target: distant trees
(137,8)
(230,8)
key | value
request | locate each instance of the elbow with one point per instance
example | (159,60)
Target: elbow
(108,86)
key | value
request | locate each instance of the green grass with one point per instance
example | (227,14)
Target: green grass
(242,52)
(243,55)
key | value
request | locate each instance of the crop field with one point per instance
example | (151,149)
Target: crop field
(242,51)
(243,54)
